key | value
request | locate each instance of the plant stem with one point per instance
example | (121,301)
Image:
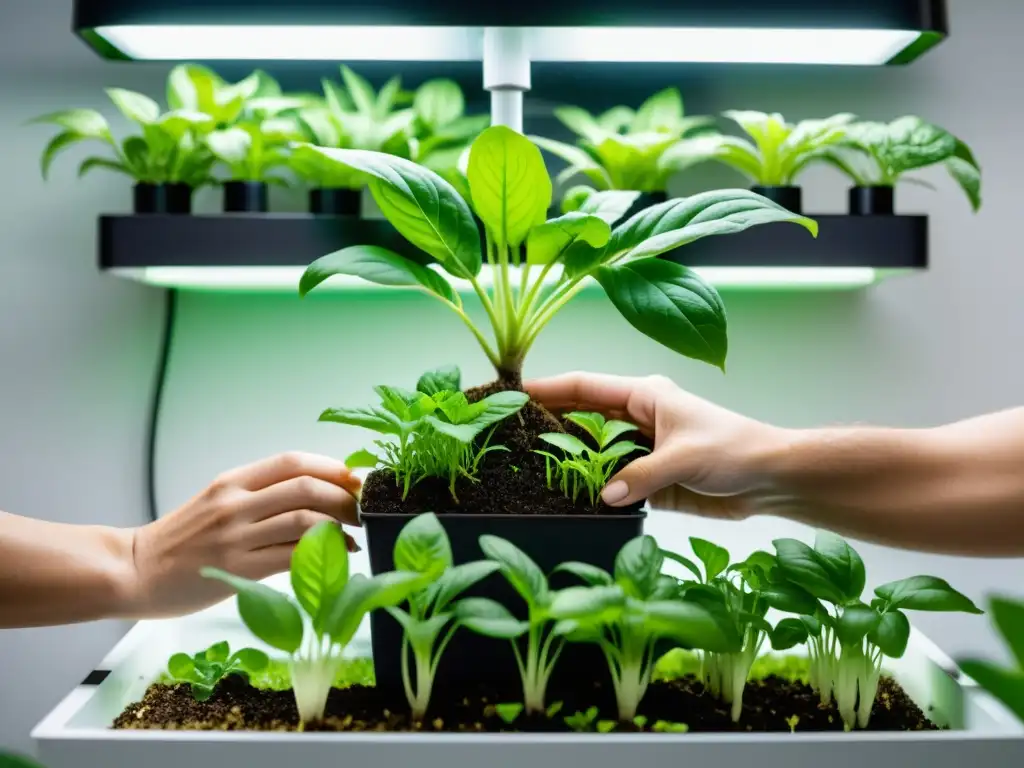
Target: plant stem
(547,311)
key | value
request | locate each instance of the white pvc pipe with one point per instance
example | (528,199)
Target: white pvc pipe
(506,74)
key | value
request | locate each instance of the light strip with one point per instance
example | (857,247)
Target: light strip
(286,279)
(567,44)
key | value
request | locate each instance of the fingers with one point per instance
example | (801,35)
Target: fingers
(301,493)
(642,478)
(287,528)
(287,466)
(583,391)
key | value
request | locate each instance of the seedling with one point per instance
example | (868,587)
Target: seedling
(509,712)
(776,153)
(628,612)
(667,726)
(793,722)
(606,726)
(553,709)
(331,605)
(205,669)
(744,591)
(1005,683)
(880,154)
(581,722)
(622,149)
(833,573)
(583,467)
(511,193)
(430,620)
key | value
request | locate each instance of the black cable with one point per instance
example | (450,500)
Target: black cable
(166,338)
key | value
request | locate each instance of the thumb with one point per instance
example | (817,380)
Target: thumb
(642,478)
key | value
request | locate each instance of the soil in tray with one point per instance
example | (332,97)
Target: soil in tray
(771,704)
(512,482)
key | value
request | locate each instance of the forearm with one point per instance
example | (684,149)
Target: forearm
(955,489)
(60,574)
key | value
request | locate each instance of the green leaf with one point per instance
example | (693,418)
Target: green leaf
(488,618)
(231,145)
(1008,616)
(855,623)
(550,241)
(964,170)
(767,130)
(616,119)
(439,102)
(509,183)
(421,205)
(362,595)
(87,123)
(812,624)
(458,579)
(423,547)
(693,625)
(578,160)
(571,445)
(181,667)
(590,575)
(789,633)
(135,106)
(614,429)
(448,379)
(661,112)
(789,598)
(360,91)
(201,691)
(375,419)
(56,145)
(913,143)
(376,265)
(319,570)
(686,562)
(714,557)
(250,660)
(638,566)
(581,122)
(268,614)
(498,407)
(592,423)
(509,711)
(362,459)
(892,634)
(1004,684)
(842,563)
(218,652)
(589,605)
(670,304)
(802,565)
(609,205)
(522,572)
(925,593)
(101,162)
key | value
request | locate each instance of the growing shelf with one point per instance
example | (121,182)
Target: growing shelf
(268,252)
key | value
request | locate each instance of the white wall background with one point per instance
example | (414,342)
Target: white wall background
(249,374)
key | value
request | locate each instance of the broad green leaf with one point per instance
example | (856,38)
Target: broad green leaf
(192,86)
(616,119)
(571,445)
(789,598)
(614,429)
(693,625)
(439,102)
(815,134)
(578,160)
(1008,616)
(892,634)
(729,150)
(589,605)
(522,572)
(87,123)
(498,407)
(632,161)
(965,171)
(548,242)
(582,123)
(201,691)
(812,624)
(374,419)
(458,579)
(362,459)
(421,205)
(609,205)
(912,143)
(591,575)
(686,562)
(661,112)
(714,557)
(360,90)
(509,711)
(376,265)
(802,565)
(768,131)
(1004,684)
(592,423)
(362,595)
(842,563)
(638,566)
(319,569)
(448,379)
(670,304)
(135,106)
(422,633)
(218,652)
(250,660)
(268,614)
(620,449)
(231,145)
(925,593)
(423,547)
(488,618)
(509,183)
(855,623)
(181,667)
(788,633)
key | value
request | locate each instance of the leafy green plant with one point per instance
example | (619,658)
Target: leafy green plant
(581,722)
(331,605)
(203,670)
(628,612)
(776,153)
(583,466)
(431,620)
(880,154)
(252,150)
(442,131)
(434,431)
(848,639)
(1005,683)
(745,591)
(509,711)
(622,149)
(511,194)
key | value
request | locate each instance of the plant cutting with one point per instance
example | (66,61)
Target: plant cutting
(330,606)
(202,671)
(1006,683)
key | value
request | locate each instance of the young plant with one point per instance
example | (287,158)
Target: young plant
(205,669)
(628,612)
(251,150)
(745,591)
(431,618)
(369,118)
(880,154)
(1006,684)
(582,466)
(776,153)
(331,605)
(849,639)
(622,149)
(511,193)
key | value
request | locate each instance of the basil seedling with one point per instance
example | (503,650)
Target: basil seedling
(331,605)
(205,669)
(1005,683)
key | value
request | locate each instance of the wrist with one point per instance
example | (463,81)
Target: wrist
(120,577)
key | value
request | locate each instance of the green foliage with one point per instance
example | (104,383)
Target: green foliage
(509,711)
(432,432)
(1004,683)
(581,722)
(442,131)
(582,467)
(622,149)
(203,670)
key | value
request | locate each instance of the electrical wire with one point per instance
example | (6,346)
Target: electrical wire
(159,381)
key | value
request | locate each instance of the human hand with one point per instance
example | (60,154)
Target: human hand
(705,458)
(246,522)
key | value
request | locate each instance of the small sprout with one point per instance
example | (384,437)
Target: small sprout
(665,726)
(582,721)
(640,721)
(509,712)
(514,468)
(207,668)
(553,709)
(792,722)
(606,726)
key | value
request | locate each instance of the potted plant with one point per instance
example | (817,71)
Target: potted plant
(623,149)
(775,154)
(877,157)
(535,267)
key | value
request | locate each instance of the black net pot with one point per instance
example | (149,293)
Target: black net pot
(334,201)
(472,661)
(872,201)
(162,198)
(245,197)
(790,198)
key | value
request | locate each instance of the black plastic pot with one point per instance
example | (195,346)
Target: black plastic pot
(334,201)
(162,198)
(245,197)
(473,660)
(872,201)
(790,198)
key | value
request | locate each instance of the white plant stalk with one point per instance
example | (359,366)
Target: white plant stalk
(725,674)
(313,672)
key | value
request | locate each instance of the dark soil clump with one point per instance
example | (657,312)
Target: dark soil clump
(772,704)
